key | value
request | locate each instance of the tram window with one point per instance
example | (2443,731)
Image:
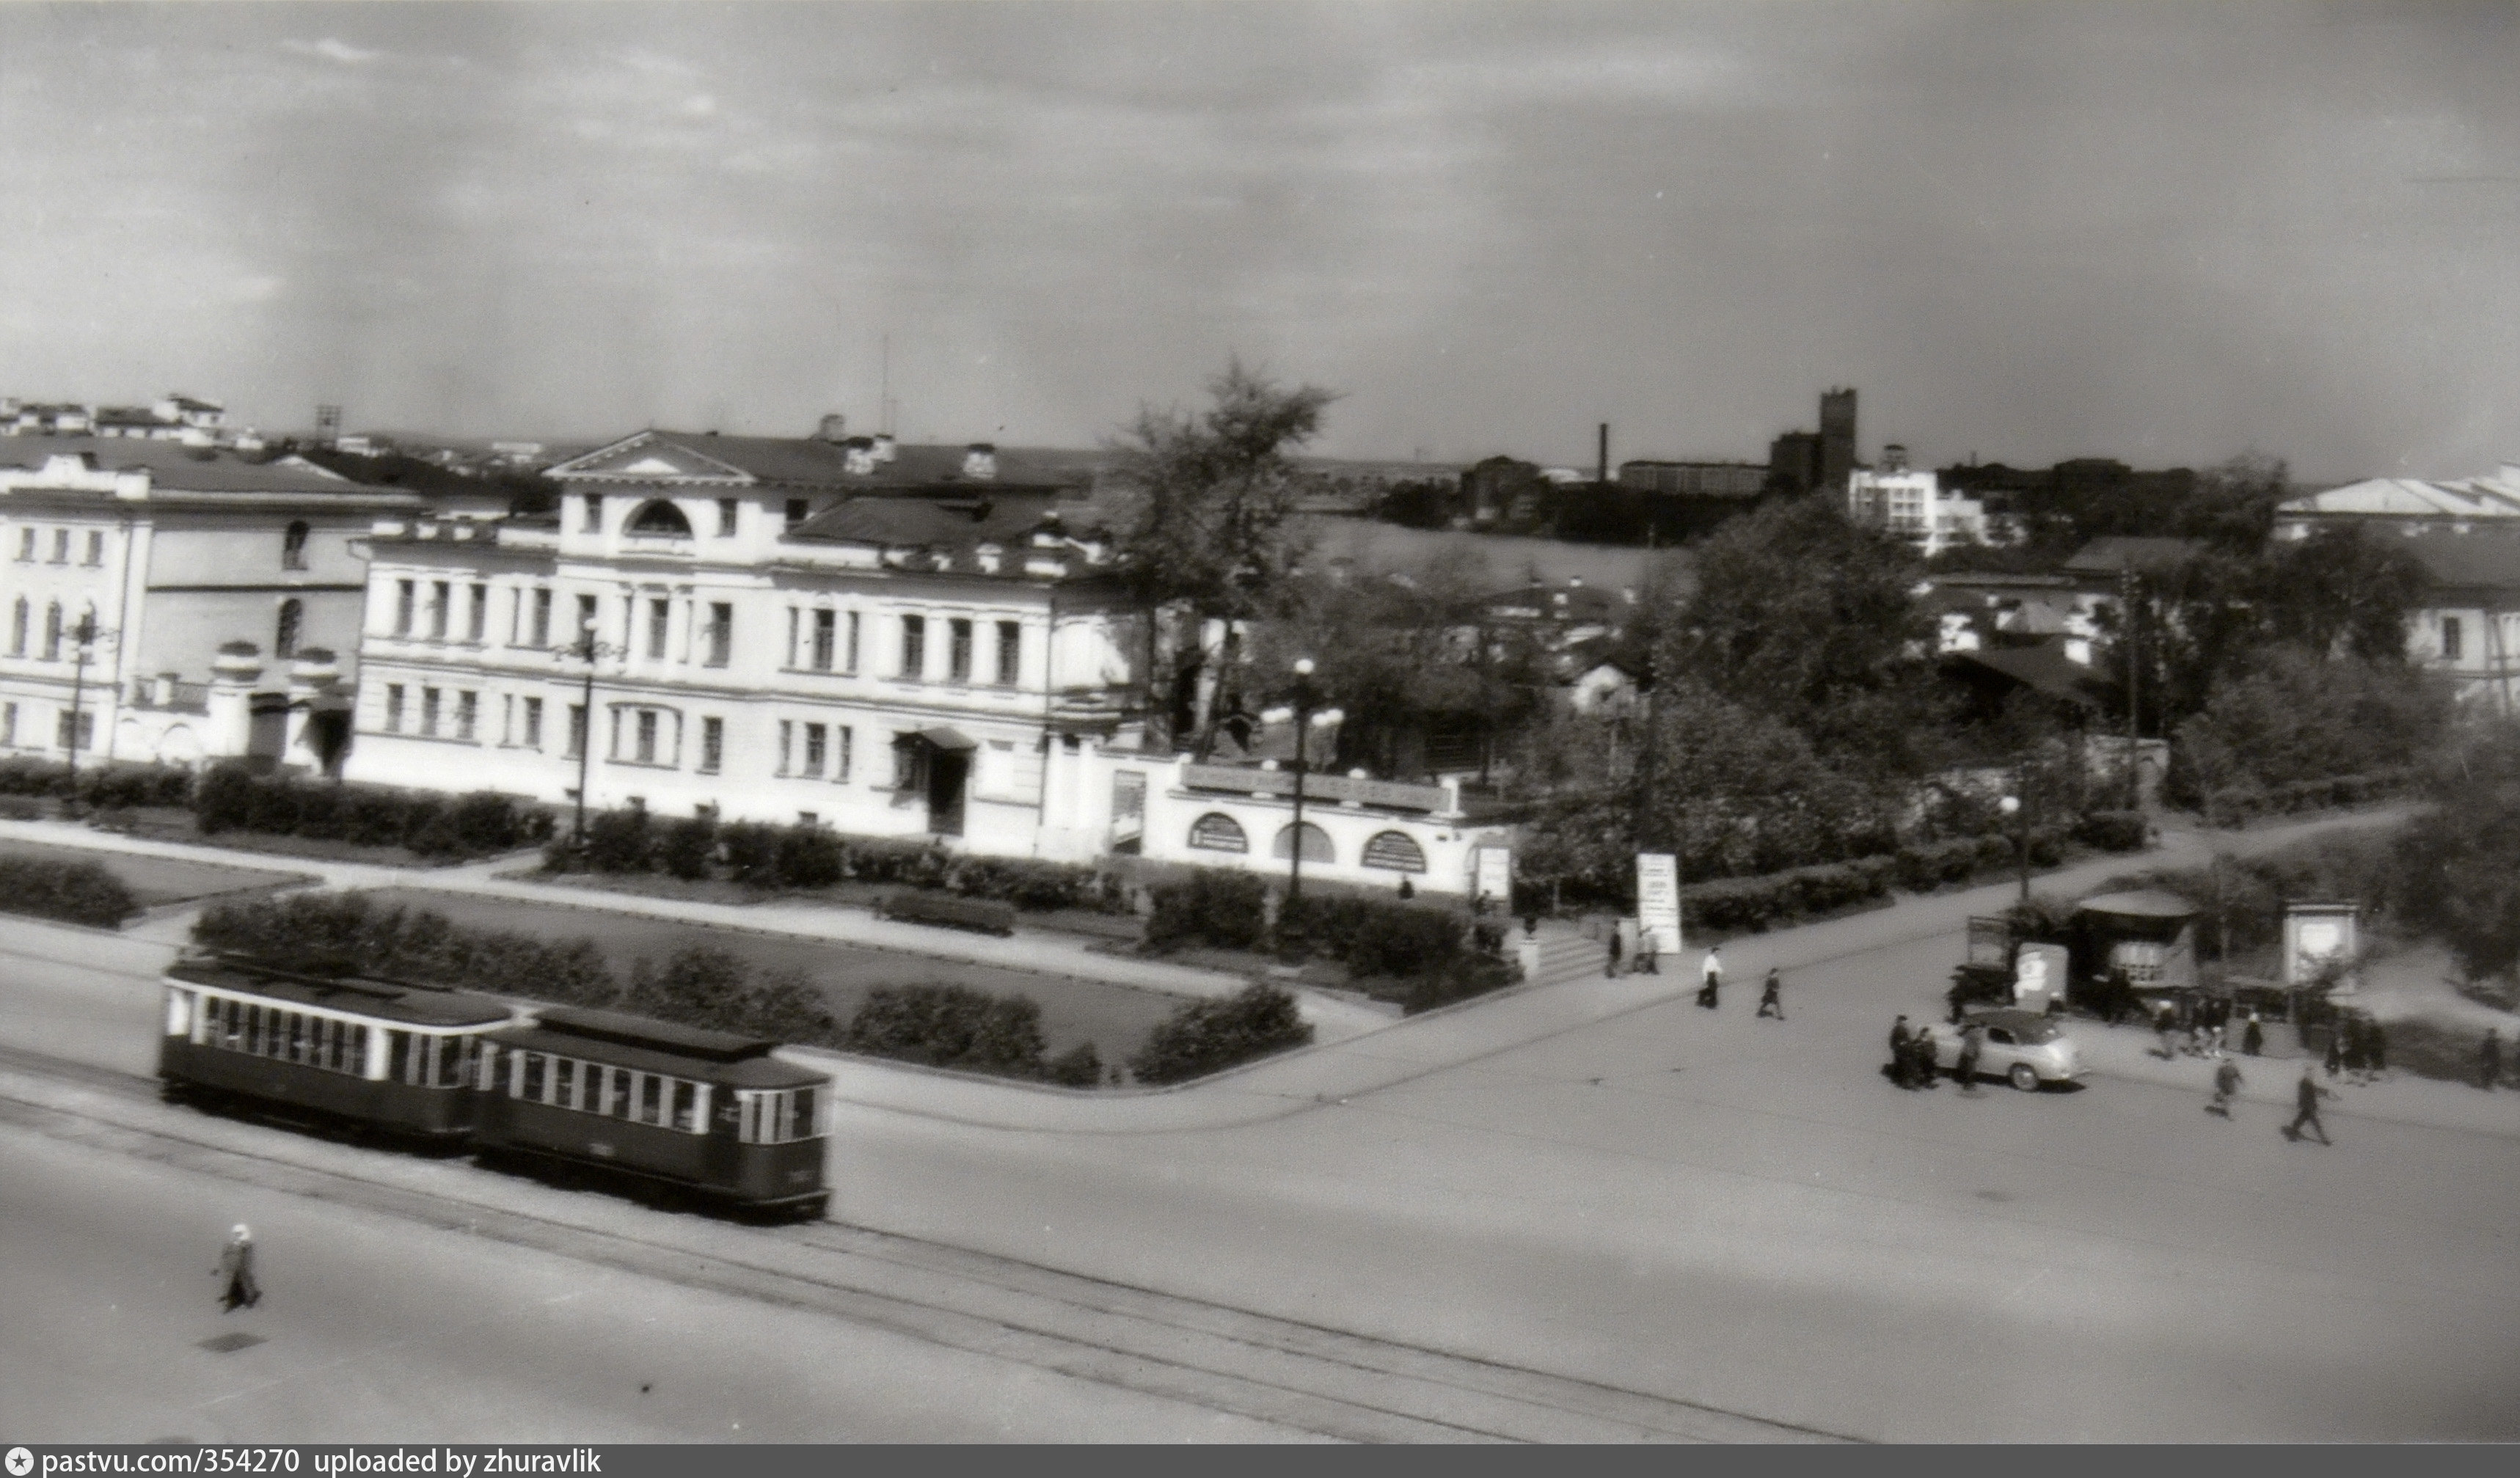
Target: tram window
(533,1078)
(359,1051)
(455,1061)
(651,1094)
(397,1056)
(686,1098)
(327,1043)
(801,1125)
(232,1024)
(748,1118)
(564,1082)
(253,1029)
(589,1089)
(294,1036)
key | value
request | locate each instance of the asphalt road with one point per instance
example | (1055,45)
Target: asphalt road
(1703,1206)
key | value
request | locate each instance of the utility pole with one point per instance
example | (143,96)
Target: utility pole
(2128,590)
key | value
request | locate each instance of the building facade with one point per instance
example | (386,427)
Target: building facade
(2409,505)
(185,568)
(1912,505)
(888,641)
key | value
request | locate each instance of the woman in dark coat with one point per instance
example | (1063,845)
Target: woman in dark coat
(236,1270)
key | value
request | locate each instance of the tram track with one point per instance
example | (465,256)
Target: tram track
(1307,1376)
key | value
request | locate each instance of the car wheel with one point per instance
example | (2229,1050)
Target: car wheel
(2025,1077)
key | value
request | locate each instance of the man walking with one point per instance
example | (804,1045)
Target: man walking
(1972,1046)
(1772,999)
(1898,1059)
(236,1270)
(1648,952)
(1610,966)
(1712,979)
(2255,1038)
(2305,1101)
(2227,1086)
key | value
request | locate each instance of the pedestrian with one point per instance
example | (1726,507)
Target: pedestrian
(1648,952)
(1711,977)
(2227,1086)
(1972,1039)
(2254,1038)
(1901,1062)
(2120,993)
(1772,999)
(236,1270)
(2164,1022)
(2488,1060)
(2376,1049)
(2305,1105)
(1610,966)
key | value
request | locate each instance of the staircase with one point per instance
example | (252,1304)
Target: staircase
(1565,955)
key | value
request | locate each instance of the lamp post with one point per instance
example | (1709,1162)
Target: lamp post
(589,650)
(84,637)
(2013,809)
(1303,707)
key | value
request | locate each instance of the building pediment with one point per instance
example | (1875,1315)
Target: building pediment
(648,458)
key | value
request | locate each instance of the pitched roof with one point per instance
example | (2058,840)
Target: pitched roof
(2497,497)
(928,522)
(2487,560)
(2044,669)
(808,461)
(176,468)
(2146,554)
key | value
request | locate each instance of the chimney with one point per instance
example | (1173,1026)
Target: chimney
(834,428)
(1894,458)
(980,462)
(860,456)
(884,448)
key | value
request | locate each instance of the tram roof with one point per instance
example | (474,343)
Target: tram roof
(356,995)
(658,1047)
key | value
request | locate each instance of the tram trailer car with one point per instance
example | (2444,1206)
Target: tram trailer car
(384,1054)
(704,1111)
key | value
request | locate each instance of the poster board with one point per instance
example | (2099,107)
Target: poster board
(1492,874)
(2039,975)
(2316,936)
(1658,899)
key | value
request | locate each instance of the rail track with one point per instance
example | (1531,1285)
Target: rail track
(1301,1376)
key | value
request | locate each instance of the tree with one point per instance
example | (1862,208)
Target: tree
(1204,515)
(2460,867)
(2295,716)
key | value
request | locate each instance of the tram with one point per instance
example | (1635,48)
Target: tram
(707,1112)
(378,1054)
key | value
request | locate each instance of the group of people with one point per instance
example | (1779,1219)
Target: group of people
(1710,973)
(2200,1027)
(2359,1049)
(1917,1062)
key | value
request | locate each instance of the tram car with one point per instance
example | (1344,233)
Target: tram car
(381,1054)
(704,1112)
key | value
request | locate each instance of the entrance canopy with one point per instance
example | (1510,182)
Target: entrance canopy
(2143,903)
(951,741)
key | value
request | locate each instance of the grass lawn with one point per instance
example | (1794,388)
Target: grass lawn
(158,881)
(1116,1018)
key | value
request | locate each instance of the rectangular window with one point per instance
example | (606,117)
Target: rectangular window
(712,745)
(533,1086)
(796,511)
(585,618)
(26,545)
(817,740)
(533,723)
(428,705)
(914,647)
(721,632)
(95,548)
(2452,643)
(647,735)
(393,707)
(18,630)
(687,1098)
(726,508)
(594,512)
(9,725)
(542,617)
(1009,653)
(577,730)
(826,639)
(660,615)
(508,720)
(786,740)
(441,594)
(53,632)
(848,743)
(84,737)
(564,1082)
(792,618)
(958,651)
(478,628)
(61,546)
(467,713)
(652,1095)
(403,592)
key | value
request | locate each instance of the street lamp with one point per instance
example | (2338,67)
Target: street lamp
(84,637)
(1302,707)
(2011,807)
(589,650)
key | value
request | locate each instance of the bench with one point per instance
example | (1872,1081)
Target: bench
(912,906)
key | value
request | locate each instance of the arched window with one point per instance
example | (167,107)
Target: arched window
(1217,832)
(1397,850)
(292,548)
(1316,844)
(284,641)
(53,632)
(661,517)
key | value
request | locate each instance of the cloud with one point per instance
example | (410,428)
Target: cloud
(331,49)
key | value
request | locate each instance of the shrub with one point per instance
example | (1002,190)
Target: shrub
(1755,904)
(688,847)
(810,856)
(27,776)
(1080,1066)
(1024,882)
(880,859)
(1211,906)
(224,799)
(1370,936)
(619,841)
(705,986)
(1461,978)
(2113,831)
(751,852)
(126,785)
(80,892)
(1209,1036)
(21,808)
(303,930)
(950,1026)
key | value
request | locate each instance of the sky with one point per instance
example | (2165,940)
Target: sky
(2025,230)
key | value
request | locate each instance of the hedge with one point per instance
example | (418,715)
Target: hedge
(80,892)
(702,985)
(104,786)
(1210,1036)
(2113,831)
(1461,978)
(1370,935)
(1229,911)
(2242,803)
(348,933)
(952,1026)
(232,797)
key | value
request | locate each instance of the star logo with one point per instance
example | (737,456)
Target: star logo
(21,1463)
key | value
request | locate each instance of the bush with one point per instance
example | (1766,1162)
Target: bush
(1461,978)
(224,800)
(1080,1066)
(1755,904)
(230,797)
(1212,907)
(880,859)
(705,986)
(27,776)
(1039,886)
(1210,1036)
(1370,936)
(2113,831)
(911,905)
(950,1026)
(810,856)
(301,931)
(751,852)
(21,808)
(80,892)
(619,841)
(120,786)
(688,847)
